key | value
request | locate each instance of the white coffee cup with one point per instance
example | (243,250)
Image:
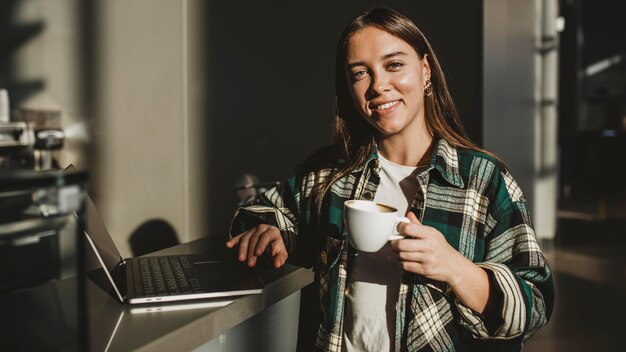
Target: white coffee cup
(370,225)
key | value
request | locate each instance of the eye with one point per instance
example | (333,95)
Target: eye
(394,66)
(357,75)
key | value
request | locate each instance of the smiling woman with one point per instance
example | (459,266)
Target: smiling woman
(467,273)
(438,111)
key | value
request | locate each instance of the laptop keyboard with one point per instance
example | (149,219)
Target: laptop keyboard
(168,276)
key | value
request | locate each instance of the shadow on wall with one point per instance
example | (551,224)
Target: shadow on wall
(151,236)
(14,35)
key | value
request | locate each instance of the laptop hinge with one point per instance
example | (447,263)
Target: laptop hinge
(120,277)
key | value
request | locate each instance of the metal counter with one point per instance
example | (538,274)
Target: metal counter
(261,322)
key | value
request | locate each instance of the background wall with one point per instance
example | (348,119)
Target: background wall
(148,161)
(270,82)
(520,97)
(128,78)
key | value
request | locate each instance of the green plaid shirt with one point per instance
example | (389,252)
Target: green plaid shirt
(473,201)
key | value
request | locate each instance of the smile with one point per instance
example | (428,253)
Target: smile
(386,105)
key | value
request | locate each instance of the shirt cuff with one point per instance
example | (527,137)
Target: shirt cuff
(509,315)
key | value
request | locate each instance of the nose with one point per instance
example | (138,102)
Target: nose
(379,84)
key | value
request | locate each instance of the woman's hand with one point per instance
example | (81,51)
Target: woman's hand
(427,253)
(252,244)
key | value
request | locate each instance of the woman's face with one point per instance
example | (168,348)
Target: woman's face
(386,78)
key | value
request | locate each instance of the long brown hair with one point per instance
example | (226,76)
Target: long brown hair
(353,137)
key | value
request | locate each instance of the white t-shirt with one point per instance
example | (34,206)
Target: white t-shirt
(374,281)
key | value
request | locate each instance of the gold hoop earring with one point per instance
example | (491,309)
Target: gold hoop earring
(428,90)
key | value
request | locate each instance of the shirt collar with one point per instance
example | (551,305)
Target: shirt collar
(372,161)
(445,159)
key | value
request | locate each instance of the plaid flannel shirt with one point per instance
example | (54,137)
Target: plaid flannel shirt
(473,201)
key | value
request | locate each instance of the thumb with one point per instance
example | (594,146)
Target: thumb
(412,217)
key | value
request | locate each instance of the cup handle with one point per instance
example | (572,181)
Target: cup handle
(398,236)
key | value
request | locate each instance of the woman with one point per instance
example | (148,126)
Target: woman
(469,276)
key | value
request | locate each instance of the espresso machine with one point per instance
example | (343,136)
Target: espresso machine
(33,198)
(30,142)
(16,146)
(29,138)
(48,135)
(16,139)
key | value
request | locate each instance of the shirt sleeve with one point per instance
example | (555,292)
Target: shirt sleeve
(518,271)
(277,206)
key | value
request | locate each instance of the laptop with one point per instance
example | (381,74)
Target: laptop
(152,279)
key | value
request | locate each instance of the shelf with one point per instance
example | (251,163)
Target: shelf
(13,180)
(12,231)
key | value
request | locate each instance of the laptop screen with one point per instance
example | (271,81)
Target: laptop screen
(98,232)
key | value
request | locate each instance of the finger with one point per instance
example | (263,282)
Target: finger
(394,244)
(279,252)
(403,226)
(414,220)
(234,240)
(405,256)
(414,244)
(268,237)
(412,217)
(243,244)
(281,255)
(413,267)
(279,246)
(412,230)
(252,244)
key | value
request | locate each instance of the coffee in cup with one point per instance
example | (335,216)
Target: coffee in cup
(370,224)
